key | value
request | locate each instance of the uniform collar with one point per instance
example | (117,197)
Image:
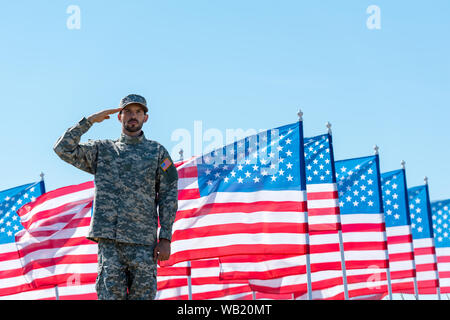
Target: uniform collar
(131,140)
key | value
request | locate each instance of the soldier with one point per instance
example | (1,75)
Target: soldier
(134,177)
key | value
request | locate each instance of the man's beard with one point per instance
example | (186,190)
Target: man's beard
(133,127)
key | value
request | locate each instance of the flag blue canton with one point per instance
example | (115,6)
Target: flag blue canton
(318,160)
(395,199)
(419,212)
(12,200)
(441,222)
(269,160)
(358,182)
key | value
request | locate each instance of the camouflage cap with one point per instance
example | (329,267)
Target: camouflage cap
(133,98)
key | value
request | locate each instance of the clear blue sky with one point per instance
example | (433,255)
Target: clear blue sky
(230,64)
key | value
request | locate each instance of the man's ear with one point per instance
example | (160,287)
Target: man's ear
(145,117)
(119,116)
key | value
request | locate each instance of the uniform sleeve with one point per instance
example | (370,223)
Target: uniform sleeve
(167,189)
(81,155)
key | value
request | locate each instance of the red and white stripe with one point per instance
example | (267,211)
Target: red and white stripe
(271,274)
(230,223)
(172,282)
(77,291)
(401,259)
(268,274)
(323,207)
(443,265)
(324,224)
(207,285)
(426,266)
(271,296)
(44,256)
(13,285)
(296,284)
(53,247)
(262,267)
(264,272)
(327,282)
(365,252)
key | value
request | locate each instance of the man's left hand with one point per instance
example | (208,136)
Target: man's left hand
(162,250)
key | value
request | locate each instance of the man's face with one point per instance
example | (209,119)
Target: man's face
(133,117)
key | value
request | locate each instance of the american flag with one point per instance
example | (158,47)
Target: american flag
(398,229)
(173,282)
(441,227)
(56,261)
(53,248)
(207,285)
(275,276)
(287,274)
(323,206)
(272,296)
(294,284)
(247,197)
(261,267)
(363,226)
(199,280)
(272,274)
(324,223)
(12,282)
(423,241)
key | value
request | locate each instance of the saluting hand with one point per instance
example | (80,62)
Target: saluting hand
(102,115)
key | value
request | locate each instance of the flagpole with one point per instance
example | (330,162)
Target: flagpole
(56,293)
(181,154)
(341,241)
(434,246)
(416,287)
(189,280)
(42,182)
(388,273)
(308,262)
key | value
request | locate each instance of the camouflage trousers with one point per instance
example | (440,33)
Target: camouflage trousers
(125,271)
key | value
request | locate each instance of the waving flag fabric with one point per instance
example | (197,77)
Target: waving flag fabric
(363,226)
(53,249)
(265,272)
(207,285)
(56,261)
(423,241)
(295,284)
(12,282)
(323,200)
(272,274)
(248,197)
(173,282)
(398,230)
(441,229)
(11,201)
(273,296)
(261,267)
(324,222)
(251,216)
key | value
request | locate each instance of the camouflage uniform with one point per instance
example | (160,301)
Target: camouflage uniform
(125,271)
(133,176)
